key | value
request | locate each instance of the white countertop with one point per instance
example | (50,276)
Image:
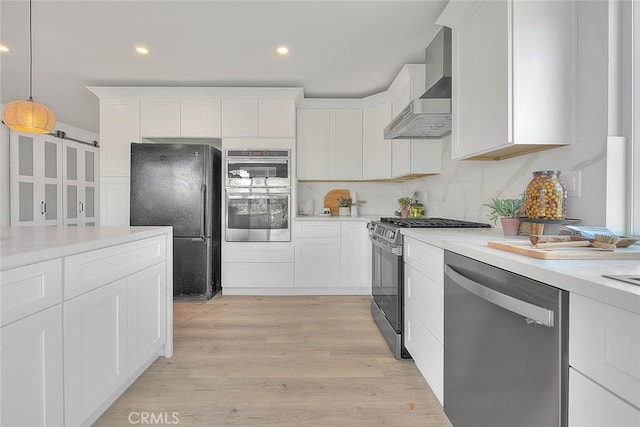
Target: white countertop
(336,217)
(580,276)
(26,245)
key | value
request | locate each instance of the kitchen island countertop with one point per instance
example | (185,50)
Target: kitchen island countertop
(580,276)
(26,245)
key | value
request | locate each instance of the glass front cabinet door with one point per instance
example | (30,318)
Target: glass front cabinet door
(80,190)
(36,179)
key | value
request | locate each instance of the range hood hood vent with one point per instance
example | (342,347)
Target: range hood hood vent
(430,115)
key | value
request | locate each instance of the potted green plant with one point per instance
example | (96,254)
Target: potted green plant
(508,211)
(404,203)
(344,206)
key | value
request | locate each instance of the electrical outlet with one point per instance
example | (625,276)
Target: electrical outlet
(572,181)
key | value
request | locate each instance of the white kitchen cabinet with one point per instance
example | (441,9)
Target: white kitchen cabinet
(160,117)
(591,405)
(36,179)
(80,201)
(355,255)
(415,157)
(376,151)
(258,117)
(239,117)
(31,367)
(424,310)
(255,266)
(604,345)
(330,144)
(119,127)
(180,117)
(318,258)
(95,349)
(276,117)
(146,302)
(522,99)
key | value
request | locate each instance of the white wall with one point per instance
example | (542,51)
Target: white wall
(463,186)
(5,199)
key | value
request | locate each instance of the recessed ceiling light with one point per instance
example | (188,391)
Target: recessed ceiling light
(282,50)
(3,48)
(142,50)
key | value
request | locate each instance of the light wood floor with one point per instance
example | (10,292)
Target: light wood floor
(280,361)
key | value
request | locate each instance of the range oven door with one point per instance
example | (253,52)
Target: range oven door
(258,215)
(386,285)
(258,168)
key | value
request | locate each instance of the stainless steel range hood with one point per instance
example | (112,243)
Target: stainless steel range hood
(430,115)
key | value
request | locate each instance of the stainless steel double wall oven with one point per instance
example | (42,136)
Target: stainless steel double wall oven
(258,196)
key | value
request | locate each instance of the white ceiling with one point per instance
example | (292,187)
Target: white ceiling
(337,48)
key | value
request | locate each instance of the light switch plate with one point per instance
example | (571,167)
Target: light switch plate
(572,181)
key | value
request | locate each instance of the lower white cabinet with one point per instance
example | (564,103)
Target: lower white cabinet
(604,356)
(591,405)
(253,267)
(96,349)
(332,257)
(109,334)
(424,310)
(31,370)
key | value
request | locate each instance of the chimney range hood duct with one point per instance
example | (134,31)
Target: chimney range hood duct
(430,115)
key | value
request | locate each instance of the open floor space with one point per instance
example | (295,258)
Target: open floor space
(286,361)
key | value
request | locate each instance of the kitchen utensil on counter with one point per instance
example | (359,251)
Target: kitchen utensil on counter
(546,238)
(331,199)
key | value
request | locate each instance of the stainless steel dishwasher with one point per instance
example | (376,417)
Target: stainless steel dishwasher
(505,347)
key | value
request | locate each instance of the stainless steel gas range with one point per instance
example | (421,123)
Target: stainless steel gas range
(388,272)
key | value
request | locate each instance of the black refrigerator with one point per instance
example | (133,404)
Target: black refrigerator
(180,185)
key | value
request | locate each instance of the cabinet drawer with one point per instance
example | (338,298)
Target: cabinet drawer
(89,270)
(29,289)
(427,259)
(257,252)
(427,353)
(257,275)
(425,298)
(592,406)
(604,345)
(317,229)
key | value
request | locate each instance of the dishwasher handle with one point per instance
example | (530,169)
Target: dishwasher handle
(531,313)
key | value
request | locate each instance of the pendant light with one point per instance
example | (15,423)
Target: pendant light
(29,116)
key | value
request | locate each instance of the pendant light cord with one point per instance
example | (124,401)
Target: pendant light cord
(30,56)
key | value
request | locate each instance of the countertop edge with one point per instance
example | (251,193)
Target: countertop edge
(87,240)
(557,273)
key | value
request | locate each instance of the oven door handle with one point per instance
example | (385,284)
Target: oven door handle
(395,250)
(531,313)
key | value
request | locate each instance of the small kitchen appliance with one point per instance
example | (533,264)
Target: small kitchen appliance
(388,273)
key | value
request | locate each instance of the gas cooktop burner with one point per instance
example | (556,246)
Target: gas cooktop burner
(432,223)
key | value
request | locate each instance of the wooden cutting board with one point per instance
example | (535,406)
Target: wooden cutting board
(331,199)
(525,248)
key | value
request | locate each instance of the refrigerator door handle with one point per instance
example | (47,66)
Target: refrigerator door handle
(203,211)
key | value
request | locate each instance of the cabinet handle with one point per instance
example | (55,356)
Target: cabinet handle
(81,206)
(43,208)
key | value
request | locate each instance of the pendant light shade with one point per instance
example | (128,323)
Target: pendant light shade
(29,116)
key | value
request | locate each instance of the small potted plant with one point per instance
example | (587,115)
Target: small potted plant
(404,203)
(344,206)
(508,211)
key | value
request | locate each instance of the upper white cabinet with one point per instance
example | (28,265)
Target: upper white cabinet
(376,151)
(36,179)
(412,158)
(258,117)
(119,127)
(173,117)
(514,76)
(330,144)
(81,174)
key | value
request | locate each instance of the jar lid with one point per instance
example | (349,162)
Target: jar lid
(546,173)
